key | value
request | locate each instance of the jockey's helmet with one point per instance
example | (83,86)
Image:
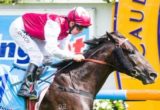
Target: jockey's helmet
(80,16)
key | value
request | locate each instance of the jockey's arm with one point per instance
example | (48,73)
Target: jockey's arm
(63,44)
(52,31)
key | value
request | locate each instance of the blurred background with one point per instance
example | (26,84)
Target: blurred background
(107,15)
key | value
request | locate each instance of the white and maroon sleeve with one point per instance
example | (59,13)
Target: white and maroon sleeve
(51,32)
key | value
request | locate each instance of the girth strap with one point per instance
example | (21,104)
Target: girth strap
(70,90)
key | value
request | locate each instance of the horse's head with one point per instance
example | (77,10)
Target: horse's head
(122,56)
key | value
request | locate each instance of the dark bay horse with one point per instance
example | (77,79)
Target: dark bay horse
(75,87)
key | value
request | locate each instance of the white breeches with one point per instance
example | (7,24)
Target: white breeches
(32,46)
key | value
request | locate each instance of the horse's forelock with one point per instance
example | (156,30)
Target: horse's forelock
(96,41)
(117,34)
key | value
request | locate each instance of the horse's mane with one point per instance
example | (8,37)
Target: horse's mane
(92,45)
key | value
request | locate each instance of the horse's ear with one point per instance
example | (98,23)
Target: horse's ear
(110,36)
(91,42)
(107,33)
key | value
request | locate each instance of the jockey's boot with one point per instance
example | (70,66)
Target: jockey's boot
(34,94)
(28,86)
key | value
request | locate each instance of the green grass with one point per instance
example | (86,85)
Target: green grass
(109,105)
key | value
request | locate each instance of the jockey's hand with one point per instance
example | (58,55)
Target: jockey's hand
(78,58)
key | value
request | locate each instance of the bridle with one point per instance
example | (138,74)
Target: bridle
(102,62)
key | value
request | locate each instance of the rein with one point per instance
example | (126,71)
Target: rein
(99,61)
(95,61)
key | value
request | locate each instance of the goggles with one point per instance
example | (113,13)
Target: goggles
(79,27)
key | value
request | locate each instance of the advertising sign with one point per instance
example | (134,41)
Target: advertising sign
(139,21)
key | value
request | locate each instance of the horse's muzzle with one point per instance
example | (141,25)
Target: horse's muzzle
(146,77)
(151,79)
(153,76)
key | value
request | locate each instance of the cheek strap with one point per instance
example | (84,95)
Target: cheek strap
(122,59)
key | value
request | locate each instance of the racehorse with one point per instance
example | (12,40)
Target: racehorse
(76,85)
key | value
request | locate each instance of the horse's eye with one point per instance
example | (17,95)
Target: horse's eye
(129,51)
(132,52)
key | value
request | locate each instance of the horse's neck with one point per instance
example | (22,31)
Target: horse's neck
(90,77)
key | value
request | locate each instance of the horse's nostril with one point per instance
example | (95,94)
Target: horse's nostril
(153,75)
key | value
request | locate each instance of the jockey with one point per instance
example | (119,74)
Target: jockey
(43,36)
